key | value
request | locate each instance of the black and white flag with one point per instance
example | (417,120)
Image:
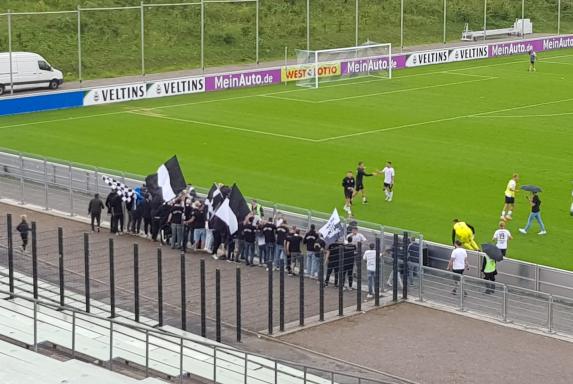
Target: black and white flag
(333,229)
(168,181)
(126,193)
(213,200)
(233,210)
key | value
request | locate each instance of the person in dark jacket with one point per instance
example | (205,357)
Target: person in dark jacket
(94,210)
(249,236)
(310,267)
(146,214)
(348,262)
(155,211)
(332,262)
(23,228)
(116,214)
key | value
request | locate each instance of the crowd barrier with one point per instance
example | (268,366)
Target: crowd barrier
(272,75)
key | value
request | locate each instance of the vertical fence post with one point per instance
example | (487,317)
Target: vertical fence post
(270,296)
(218,304)
(395,277)
(356,20)
(34,260)
(536,277)
(111,345)
(71,191)
(79,25)
(142,33)
(462,293)
(401,25)
(10,51)
(46,207)
(257,6)
(136,280)
(340,280)
(238,302)
(421,269)
(321,287)
(484,19)
(61,264)
(183,293)
(159,288)
(203,295)
(301,291)
(35,326)
(559,17)
(10,254)
(405,246)
(308,25)
(504,304)
(202,35)
(377,274)
(522,18)
(111,279)
(87,270)
(445,21)
(21,179)
(358,263)
(282,295)
(550,314)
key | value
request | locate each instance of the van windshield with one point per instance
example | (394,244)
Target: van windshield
(44,66)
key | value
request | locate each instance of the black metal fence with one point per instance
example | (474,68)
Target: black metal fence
(130,277)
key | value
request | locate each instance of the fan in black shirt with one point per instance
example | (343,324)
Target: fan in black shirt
(348,183)
(360,174)
(293,242)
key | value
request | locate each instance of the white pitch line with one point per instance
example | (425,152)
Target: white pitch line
(135,112)
(289,99)
(405,90)
(556,62)
(59,120)
(440,120)
(522,116)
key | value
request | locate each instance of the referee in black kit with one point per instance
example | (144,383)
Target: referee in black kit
(348,183)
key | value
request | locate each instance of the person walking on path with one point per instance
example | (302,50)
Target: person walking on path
(458,263)
(94,210)
(535,214)
(23,228)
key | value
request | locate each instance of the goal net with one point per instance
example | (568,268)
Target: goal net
(369,59)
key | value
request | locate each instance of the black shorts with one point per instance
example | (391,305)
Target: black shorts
(388,186)
(509,200)
(359,187)
(458,271)
(348,193)
(532,62)
(503,251)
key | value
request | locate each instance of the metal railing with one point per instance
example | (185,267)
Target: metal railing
(228,365)
(67,187)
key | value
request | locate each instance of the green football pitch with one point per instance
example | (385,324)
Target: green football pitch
(455,134)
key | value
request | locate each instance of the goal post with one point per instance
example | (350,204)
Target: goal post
(319,66)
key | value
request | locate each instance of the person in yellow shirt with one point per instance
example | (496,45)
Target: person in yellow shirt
(509,197)
(465,233)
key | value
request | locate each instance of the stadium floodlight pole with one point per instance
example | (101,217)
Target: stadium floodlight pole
(79,46)
(203,35)
(10,51)
(308,25)
(445,19)
(142,32)
(401,25)
(484,19)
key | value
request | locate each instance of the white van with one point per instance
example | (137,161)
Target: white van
(29,70)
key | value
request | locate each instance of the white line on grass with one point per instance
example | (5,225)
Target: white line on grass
(289,99)
(405,90)
(557,62)
(523,116)
(441,120)
(60,120)
(135,112)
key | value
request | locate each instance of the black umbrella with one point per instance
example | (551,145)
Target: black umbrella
(531,188)
(492,251)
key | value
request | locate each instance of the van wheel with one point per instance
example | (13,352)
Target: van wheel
(54,84)
(2,89)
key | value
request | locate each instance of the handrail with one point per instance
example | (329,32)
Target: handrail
(181,338)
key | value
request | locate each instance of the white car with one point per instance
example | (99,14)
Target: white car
(29,70)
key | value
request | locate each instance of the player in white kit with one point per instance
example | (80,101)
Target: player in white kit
(502,237)
(389,174)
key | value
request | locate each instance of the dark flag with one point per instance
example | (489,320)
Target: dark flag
(168,181)
(213,200)
(233,210)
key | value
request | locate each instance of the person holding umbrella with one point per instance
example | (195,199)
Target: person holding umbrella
(489,267)
(535,214)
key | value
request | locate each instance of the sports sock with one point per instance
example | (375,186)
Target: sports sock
(509,213)
(503,213)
